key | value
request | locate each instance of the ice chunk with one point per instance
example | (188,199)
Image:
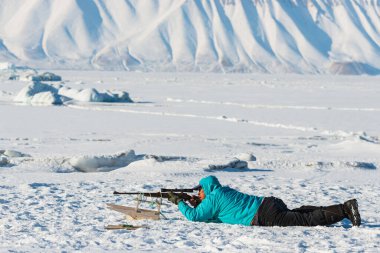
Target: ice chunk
(27,93)
(6,65)
(88,95)
(246,157)
(40,93)
(235,164)
(46,98)
(3,161)
(103,163)
(12,153)
(93,95)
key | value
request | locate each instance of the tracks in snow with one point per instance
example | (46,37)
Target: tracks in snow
(128,108)
(263,106)
(188,115)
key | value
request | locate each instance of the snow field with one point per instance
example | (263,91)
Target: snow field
(72,215)
(315,140)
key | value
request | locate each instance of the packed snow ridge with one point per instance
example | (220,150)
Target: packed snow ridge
(298,36)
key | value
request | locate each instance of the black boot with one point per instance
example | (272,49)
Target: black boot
(351,210)
(333,213)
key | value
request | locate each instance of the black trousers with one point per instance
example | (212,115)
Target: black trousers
(274,212)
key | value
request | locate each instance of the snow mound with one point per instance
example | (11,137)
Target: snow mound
(246,157)
(234,164)
(48,76)
(5,156)
(10,71)
(103,163)
(161,158)
(12,153)
(362,165)
(85,95)
(4,161)
(46,98)
(38,93)
(6,65)
(92,95)
(46,94)
(367,138)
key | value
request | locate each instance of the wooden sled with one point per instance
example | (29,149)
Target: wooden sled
(136,213)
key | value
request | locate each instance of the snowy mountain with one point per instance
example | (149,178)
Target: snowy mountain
(298,36)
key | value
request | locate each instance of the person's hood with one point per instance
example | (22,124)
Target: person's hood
(209,184)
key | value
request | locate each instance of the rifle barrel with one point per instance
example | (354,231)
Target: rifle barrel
(155,194)
(138,193)
(177,190)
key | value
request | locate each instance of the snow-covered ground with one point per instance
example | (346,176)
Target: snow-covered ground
(316,140)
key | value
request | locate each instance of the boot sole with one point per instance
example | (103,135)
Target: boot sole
(355,219)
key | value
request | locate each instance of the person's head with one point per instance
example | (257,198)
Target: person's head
(208,185)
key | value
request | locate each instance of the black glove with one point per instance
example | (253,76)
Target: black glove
(174,198)
(195,201)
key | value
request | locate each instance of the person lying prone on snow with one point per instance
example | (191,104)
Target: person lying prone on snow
(223,204)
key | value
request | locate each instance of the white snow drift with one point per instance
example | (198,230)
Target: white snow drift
(315,36)
(46,94)
(103,163)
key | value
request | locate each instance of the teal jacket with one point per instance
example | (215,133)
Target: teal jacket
(222,204)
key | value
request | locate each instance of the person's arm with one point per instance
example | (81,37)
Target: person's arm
(203,212)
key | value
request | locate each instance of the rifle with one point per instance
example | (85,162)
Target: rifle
(138,213)
(164,194)
(177,190)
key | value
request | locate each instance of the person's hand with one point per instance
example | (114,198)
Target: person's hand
(174,198)
(194,201)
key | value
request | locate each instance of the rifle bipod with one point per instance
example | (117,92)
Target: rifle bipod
(157,202)
(138,213)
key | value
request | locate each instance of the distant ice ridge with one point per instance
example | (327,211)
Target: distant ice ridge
(10,71)
(38,93)
(297,36)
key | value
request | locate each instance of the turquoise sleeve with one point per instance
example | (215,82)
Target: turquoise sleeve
(203,212)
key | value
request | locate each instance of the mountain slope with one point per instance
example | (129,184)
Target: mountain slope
(301,36)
